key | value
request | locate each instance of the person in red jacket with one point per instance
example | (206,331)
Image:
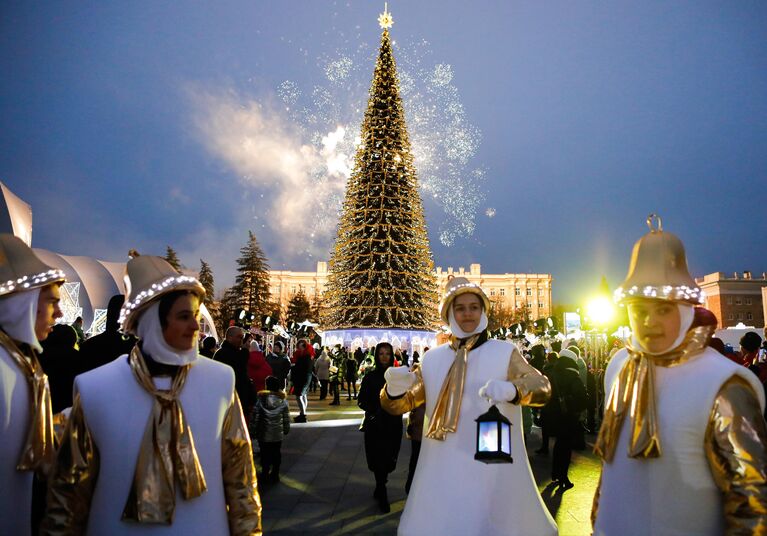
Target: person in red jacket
(258,368)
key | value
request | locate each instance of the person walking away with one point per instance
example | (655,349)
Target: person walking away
(280,363)
(569,398)
(301,375)
(271,423)
(322,370)
(109,345)
(156,441)
(547,410)
(27,315)
(350,375)
(383,432)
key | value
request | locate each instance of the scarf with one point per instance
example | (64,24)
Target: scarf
(167,452)
(38,453)
(633,392)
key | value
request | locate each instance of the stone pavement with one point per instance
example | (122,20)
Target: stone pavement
(326,487)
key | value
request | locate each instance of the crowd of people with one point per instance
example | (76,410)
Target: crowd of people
(147,425)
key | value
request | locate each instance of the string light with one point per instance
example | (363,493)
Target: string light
(32,281)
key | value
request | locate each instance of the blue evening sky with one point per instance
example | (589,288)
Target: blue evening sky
(121,126)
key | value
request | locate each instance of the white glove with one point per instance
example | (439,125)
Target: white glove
(498,391)
(398,380)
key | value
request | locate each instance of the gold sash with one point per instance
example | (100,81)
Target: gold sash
(38,452)
(448,407)
(634,390)
(167,452)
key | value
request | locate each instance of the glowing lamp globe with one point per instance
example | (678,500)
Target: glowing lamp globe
(493,437)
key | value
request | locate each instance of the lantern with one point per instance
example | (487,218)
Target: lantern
(493,437)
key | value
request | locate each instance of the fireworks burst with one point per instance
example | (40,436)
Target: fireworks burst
(443,141)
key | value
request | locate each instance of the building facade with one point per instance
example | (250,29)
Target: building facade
(736,299)
(512,291)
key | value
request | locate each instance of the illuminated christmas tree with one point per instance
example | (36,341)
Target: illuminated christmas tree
(381,268)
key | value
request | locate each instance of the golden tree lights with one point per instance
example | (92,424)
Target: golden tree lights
(381,268)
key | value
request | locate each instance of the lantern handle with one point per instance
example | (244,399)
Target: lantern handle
(654,218)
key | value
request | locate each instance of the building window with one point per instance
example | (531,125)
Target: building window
(492,292)
(730,316)
(529,292)
(540,305)
(540,292)
(517,292)
(293,289)
(748,301)
(502,292)
(729,300)
(740,316)
(749,316)
(528,305)
(737,300)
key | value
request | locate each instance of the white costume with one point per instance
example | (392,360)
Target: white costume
(683,440)
(26,431)
(452,493)
(160,454)
(674,494)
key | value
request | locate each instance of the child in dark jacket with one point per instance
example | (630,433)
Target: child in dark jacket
(271,423)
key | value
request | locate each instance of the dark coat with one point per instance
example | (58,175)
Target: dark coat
(568,397)
(110,344)
(271,417)
(237,358)
(61,362)
(350,369)
(383,432)
(280,366)
(301,373)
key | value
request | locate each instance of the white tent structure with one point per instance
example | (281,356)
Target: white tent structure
(91,283)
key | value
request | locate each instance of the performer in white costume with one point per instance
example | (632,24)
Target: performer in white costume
(156,442)
(683,441)
(29,305)
(452,493)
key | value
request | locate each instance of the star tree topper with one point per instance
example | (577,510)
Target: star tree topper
(385,19)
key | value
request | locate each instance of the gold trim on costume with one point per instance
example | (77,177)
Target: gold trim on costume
(167,452)
(413,397)
(239,474)
(39,451)
(533,388)
(634,389)
(447,410)
(73,479)
(736,449)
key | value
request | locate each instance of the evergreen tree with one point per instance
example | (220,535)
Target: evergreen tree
(381,268)
(226,308)
(299,308)
(206,279)
(251,287)
(172,258)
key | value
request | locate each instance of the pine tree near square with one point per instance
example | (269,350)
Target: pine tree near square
(251,286)
(381,268)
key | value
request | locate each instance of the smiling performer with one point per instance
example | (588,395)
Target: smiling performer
(29,306)
(156,442)
(683,441)
(452,493)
